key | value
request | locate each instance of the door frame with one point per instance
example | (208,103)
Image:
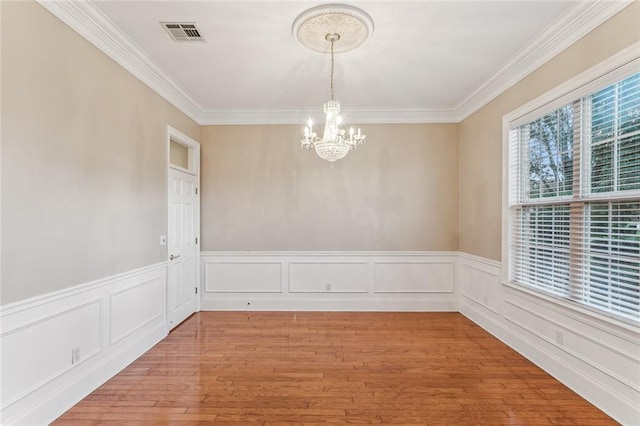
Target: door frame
(193,169)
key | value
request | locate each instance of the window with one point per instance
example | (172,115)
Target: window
(574,200)
(178,154)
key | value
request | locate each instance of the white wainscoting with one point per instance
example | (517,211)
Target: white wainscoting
(111,321)
(330,281)
(115,320)
(597,358)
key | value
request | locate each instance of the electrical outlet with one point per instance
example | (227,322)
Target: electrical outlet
(163,240)
(327,287)
(559,337)
(75,355)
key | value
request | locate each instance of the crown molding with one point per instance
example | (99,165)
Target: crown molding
(370,116)
(402,115)
(570,27)
(89,21)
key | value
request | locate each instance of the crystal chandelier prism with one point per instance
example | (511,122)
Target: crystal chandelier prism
(339,23)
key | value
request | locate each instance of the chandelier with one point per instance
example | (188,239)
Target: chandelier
(332,23)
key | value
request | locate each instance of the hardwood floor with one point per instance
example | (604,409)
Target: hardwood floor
(268,368)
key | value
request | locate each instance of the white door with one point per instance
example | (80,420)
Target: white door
(182,277)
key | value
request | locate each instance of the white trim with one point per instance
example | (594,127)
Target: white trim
(37,389)
(600,380)
(83,383)
(368,116)
(573,352)
(333,254)
(597,316)
(619,407)
(33,302)
(577,22)
(330,281)
(585,361)
(66,368)
(134,327)
(619,64)
(193,146)
(506,247)
(91,23)
(193,169)
(1,133)
(488,263)
(181,169)
(328,305)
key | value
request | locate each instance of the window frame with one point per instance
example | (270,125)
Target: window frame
(610,71)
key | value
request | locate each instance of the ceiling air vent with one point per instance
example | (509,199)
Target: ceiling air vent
(182,32)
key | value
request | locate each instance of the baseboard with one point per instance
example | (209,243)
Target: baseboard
(111,322)
(356,305)
(329,281)
(588,356)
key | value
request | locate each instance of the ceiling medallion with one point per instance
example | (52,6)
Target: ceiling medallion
(332,29)
(311,27)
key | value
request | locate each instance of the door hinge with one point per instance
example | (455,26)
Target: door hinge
(196,191)
(196,290)
(196,240)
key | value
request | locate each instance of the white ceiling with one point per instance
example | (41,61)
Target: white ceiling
(426,61)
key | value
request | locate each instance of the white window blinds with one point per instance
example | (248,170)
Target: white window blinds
(574,201)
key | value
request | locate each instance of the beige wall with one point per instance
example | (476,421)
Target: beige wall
(261,191)
(178,154)
(84,155)
(83,159)
(480,135)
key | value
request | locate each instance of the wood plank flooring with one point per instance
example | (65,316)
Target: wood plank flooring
(326,367)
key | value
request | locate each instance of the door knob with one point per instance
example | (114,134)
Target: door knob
(173,257)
